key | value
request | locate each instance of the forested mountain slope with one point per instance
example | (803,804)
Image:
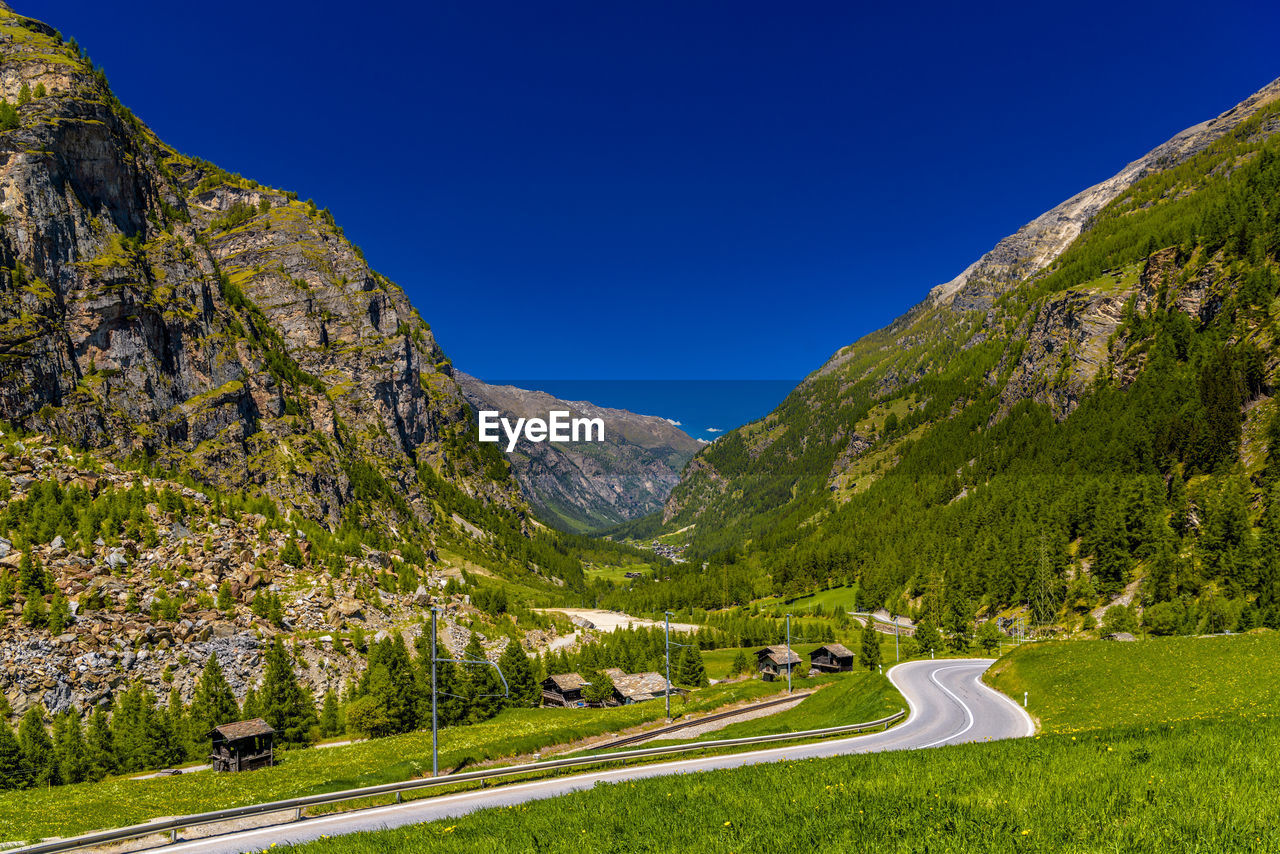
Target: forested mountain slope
(1066,418)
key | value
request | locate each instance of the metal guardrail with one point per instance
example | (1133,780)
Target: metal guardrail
(719,716)
(296,805)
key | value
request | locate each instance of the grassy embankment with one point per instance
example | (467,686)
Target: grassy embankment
(118,801)
(838,699)
(1183,761)
(1074,686)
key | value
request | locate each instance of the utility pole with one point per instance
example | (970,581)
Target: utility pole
(435,755)
(667,688)
(896,658)
(788,653)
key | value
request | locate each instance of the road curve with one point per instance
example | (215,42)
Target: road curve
(948,702)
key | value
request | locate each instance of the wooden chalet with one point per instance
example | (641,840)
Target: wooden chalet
(242,746)
(775,661)
(639,687)
(564,689)
(832,658)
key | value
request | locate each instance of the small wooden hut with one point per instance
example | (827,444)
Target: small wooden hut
(243,746)
(563,689)
(775,661)
(832,658)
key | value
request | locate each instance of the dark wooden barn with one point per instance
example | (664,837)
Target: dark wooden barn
(563,689)
(832,658)
(775,661)
(243,746)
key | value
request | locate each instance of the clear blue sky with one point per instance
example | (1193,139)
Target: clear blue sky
(672,190)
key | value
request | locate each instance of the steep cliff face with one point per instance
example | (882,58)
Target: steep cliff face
(152,304)
(585,485)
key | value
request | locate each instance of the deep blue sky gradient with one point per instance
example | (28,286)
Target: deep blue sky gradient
(601,190)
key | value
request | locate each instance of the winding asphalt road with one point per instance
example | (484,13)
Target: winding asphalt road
(948,702)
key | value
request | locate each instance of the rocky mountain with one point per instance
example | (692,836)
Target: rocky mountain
(153,305)
(589,485)
(1108,367)
(188,577)
(1038,243)
(219,422)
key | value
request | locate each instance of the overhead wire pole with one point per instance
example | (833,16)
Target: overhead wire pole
(506,689)
(667,688)
(788,653)
(435,756)
(896,657)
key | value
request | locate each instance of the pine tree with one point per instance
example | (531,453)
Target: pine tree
(525,691)
(226,602)
(869,652)
(330,715)
(166,734)
(130,729)
(484,689)
(70,749)
(34,613)
(7,589)
(450,705)
(285,706)
(740,663)
(12,771)
(599,688)
(389,682)
(989,636)
(32,579)
(101,750)
(691,671)
(38,762)
(8,116)
(291,554)
(59,613)
(186,741)
(24,95)
(252,706)
(213,703)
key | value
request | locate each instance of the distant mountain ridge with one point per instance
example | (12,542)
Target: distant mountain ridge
(1034,246)
(588,485)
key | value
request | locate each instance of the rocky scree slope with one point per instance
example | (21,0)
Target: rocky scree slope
(147,608)
(589,485)
(154,305)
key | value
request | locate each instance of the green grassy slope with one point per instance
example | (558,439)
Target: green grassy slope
(851,698)
(1076,686)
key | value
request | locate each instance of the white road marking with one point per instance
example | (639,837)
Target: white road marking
(968,713)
